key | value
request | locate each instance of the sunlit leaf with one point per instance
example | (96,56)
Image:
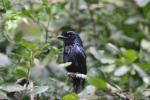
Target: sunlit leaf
(34,30)
(26,44)
(131,55)
(70,96)
(98,82)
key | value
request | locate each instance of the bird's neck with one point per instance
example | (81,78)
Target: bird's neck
(77,41)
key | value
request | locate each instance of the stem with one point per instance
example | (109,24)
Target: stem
(48,11)
(4,4)
(42,26)
(91,18)
(31,64)
(46,29)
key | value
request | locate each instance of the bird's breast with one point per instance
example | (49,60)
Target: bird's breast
(69,50)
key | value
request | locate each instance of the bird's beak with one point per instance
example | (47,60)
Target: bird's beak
(61,37)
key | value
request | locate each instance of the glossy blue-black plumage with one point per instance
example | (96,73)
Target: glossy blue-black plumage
(75,53)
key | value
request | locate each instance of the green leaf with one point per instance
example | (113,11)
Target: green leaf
(120,61)
(3,71)
(40,50)
(12,87)
(18,36)
(21,71)
(98,82)
(26,44)
(141,73)
(51,55)
(22,55)
(70,96)
(130,55)
(34,30)
(66,64)
(6,4)
(146,11)
(121,70)
(145,44)
(108,68)
(145,66)
(38,90)
(3,95)
(101,56)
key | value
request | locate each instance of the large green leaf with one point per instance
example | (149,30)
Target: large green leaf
(3,95)
(12,87)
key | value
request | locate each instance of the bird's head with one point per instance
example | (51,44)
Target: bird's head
(69,37)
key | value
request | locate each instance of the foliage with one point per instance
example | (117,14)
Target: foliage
(115,34)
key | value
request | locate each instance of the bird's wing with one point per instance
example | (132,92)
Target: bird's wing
(80,58)
(76,55)
(80,52)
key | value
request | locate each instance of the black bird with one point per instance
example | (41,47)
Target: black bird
(75,53)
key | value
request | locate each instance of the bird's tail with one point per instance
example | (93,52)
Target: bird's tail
(78,84)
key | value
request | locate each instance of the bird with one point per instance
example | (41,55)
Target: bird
(74,52)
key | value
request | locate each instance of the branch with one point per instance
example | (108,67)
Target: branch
(46,28)
(116,90)
(77,75)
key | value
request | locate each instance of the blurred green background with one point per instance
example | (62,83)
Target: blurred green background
(115,34)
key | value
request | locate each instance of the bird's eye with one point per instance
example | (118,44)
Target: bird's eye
(69,35)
